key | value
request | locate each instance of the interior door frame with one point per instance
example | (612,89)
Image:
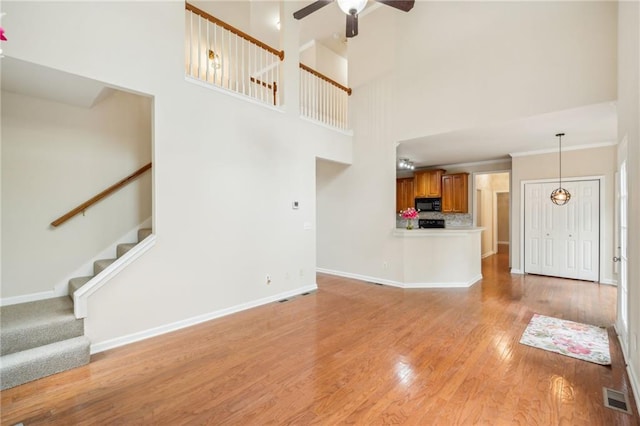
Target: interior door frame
(474,200)
(622,324)
(495,218)
(603,190)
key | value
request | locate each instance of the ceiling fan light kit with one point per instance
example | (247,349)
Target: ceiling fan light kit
(352,8)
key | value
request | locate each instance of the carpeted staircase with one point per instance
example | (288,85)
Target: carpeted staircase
(44,337)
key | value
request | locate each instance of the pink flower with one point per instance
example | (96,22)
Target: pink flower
(2,37)
(409,213)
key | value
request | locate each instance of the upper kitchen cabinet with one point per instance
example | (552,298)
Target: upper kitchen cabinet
(455,193)
(428,183)
(404,193)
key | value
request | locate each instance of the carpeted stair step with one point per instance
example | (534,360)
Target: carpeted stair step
(28,325)
(123,248)
(101,265)
(32,364)
(76,283)
(144,233)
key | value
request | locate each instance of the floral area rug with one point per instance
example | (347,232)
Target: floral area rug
(582,341)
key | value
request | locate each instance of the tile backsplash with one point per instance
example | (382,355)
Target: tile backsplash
(452,219)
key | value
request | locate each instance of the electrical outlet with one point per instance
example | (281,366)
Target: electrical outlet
(301,272)
(385,265)
(268,279)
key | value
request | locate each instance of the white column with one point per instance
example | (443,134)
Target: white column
(290,43)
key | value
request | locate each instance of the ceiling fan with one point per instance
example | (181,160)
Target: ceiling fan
(352,8)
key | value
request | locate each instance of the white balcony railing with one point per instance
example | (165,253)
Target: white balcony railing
(323,99)
(222,55)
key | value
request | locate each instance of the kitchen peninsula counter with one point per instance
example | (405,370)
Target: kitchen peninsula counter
(440,257)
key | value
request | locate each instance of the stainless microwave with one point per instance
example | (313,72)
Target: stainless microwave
(429,204)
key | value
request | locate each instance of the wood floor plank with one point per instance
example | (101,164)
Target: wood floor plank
(352,353)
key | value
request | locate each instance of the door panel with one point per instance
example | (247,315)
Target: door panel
(533,229)
(563,241)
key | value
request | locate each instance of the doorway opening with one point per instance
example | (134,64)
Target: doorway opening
(493,212)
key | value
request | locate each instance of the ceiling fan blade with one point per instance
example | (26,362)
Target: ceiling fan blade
(352,25)
(403,5)
(308,10)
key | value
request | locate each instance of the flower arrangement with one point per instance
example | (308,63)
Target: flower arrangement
(409,214)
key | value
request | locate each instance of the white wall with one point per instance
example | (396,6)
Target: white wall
(54,157)
(580,163)
(325,61)
(476,63)
(629,128)
(225,170)
(355,203)
(331,64)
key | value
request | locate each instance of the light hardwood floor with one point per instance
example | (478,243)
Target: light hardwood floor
(351,353)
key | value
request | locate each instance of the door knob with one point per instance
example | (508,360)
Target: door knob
(616,259)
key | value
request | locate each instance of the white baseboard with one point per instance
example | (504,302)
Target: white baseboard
(635,384)
(609,281)
(489,253)
(467,284)
(517,271)
(397,283)
(631,373)
(6,301)
(157,331)
(361,277)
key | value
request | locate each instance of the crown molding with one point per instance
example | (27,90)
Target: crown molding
(564,149)
(475,163)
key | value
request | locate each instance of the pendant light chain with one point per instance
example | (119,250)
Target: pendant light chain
(560,158)
(560,196)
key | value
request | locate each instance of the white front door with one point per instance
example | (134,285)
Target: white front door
(621,244)
(563,241)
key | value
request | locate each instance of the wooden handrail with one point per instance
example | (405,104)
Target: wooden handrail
(325,78)
(205,15)
(113,188)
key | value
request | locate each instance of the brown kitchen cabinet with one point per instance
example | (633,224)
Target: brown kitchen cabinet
(455,193)
(428,183)
(404,193)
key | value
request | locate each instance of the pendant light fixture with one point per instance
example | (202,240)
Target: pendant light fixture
(560,196)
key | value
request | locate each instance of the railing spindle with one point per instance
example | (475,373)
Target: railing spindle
(240,62)
(236,61)
(229,61)
(323,99)
(190,72)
